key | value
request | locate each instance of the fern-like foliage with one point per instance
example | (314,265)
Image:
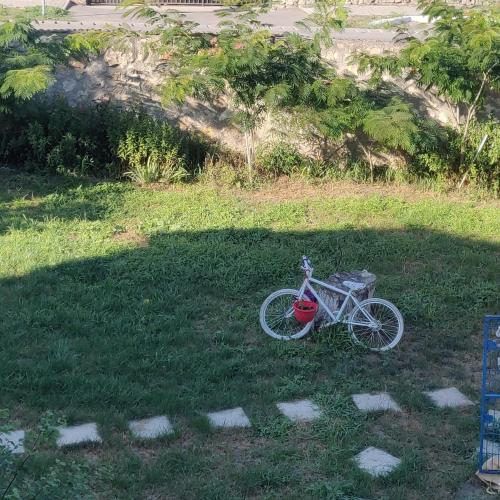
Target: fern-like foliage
(26,62)
(459,59)
(20,32)
(327,16)
(90,43)
(392,126)
(25,83)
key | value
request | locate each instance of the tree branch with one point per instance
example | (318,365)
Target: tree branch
(471,113)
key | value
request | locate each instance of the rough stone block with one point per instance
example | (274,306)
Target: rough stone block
(234,417)
(300,411)
(376,462)
(375,402)
(150,428)
(334,300)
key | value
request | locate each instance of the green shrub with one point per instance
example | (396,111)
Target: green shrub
(104,140)
(314,169)
(99,140)
(279,159)
(438,156)
(225,170)
(485,169)
(151,152)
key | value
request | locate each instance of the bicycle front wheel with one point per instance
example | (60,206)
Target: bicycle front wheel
(277,318)
(376,324)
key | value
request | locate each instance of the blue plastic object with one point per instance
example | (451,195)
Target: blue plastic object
(489,446)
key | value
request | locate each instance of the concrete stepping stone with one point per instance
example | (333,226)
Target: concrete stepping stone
(450,397)
(300,411)
(150,428)
(375,402)
(234,417)
(376,462)
(13,441)
(77,434)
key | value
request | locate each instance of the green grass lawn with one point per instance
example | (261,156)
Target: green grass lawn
(121,302)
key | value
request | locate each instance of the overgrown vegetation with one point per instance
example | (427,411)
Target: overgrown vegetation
(98,141)
(459,61)
(245,63)
(339,128)
(39,472)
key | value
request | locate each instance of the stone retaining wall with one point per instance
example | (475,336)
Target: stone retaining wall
(130,78)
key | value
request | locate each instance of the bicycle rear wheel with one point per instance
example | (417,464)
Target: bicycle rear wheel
(381,334)
(277,318)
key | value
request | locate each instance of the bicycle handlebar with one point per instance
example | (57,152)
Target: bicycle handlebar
(306,263)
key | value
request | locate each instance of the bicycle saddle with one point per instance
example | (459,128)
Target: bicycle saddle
(353,285)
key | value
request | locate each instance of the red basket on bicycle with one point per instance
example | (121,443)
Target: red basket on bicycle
(304,310)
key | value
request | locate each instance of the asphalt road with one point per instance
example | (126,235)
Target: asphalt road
(279,21)
(82,17)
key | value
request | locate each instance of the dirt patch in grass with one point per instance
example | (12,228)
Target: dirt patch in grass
(412,267)
(285,189)
(131,236)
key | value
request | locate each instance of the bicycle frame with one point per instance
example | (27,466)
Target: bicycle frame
(336,318)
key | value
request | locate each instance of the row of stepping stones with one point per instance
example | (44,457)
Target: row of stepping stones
(372,460)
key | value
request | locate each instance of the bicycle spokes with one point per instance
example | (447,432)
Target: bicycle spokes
(380,331)
(280,318)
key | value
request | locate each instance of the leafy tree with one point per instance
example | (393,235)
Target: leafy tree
(28,59)
(459,60)
(245,63)
(330,109)
(338,107)
(26,63)
(391,127)
(326,16)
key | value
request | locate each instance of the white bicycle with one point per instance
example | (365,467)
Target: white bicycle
(373,323)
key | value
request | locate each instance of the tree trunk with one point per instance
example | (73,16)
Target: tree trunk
(465,133)
(368,155)
(334,300)
(471,113)
(249,150)
(324,149)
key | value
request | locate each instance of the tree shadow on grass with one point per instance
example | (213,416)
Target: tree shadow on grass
(172,327)
(24,200)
